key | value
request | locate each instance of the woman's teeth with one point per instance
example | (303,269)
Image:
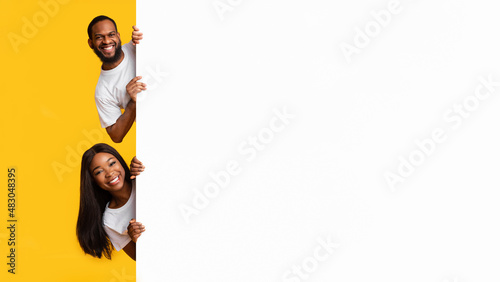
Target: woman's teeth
(114,180)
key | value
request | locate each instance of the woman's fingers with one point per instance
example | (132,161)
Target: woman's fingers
(136,167)
(135,229)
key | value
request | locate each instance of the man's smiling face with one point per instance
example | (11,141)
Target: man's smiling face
(106,42)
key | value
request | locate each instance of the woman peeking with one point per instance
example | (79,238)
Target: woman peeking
(107,203)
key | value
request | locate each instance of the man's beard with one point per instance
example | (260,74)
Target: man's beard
(114,59)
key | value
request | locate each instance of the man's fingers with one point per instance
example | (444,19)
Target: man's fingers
(135,79)
(134,87)
(138,84)
(140,87)
(136,35)
(137,89)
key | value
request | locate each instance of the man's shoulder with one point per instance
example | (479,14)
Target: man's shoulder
(129,50)
(102,88)
(129,46)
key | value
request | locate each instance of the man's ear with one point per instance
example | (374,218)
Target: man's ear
(91,44)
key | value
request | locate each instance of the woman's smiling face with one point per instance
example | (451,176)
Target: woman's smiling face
(107,172)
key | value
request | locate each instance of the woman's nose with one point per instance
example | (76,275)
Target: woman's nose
(108,173)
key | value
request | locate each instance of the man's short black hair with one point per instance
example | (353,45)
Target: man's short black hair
(96,20)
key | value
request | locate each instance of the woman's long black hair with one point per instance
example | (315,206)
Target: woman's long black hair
(93,199)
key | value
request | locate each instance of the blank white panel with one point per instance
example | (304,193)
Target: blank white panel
(264,137)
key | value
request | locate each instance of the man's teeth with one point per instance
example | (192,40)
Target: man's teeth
(114,180)
(107,48)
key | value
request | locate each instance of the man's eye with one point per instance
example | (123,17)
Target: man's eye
(98,37)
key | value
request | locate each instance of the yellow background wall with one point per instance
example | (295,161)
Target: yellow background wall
(48,120)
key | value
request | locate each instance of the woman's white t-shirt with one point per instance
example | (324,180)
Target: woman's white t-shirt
(117,220)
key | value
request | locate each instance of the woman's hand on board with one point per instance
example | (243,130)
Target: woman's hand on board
(136,167)
(135,229)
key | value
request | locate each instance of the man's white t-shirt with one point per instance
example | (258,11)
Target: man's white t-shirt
(111,93)
(117,220)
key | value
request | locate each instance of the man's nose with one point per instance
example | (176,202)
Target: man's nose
(106,40)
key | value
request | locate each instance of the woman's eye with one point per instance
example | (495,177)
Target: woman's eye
(112,163)
(97,173)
